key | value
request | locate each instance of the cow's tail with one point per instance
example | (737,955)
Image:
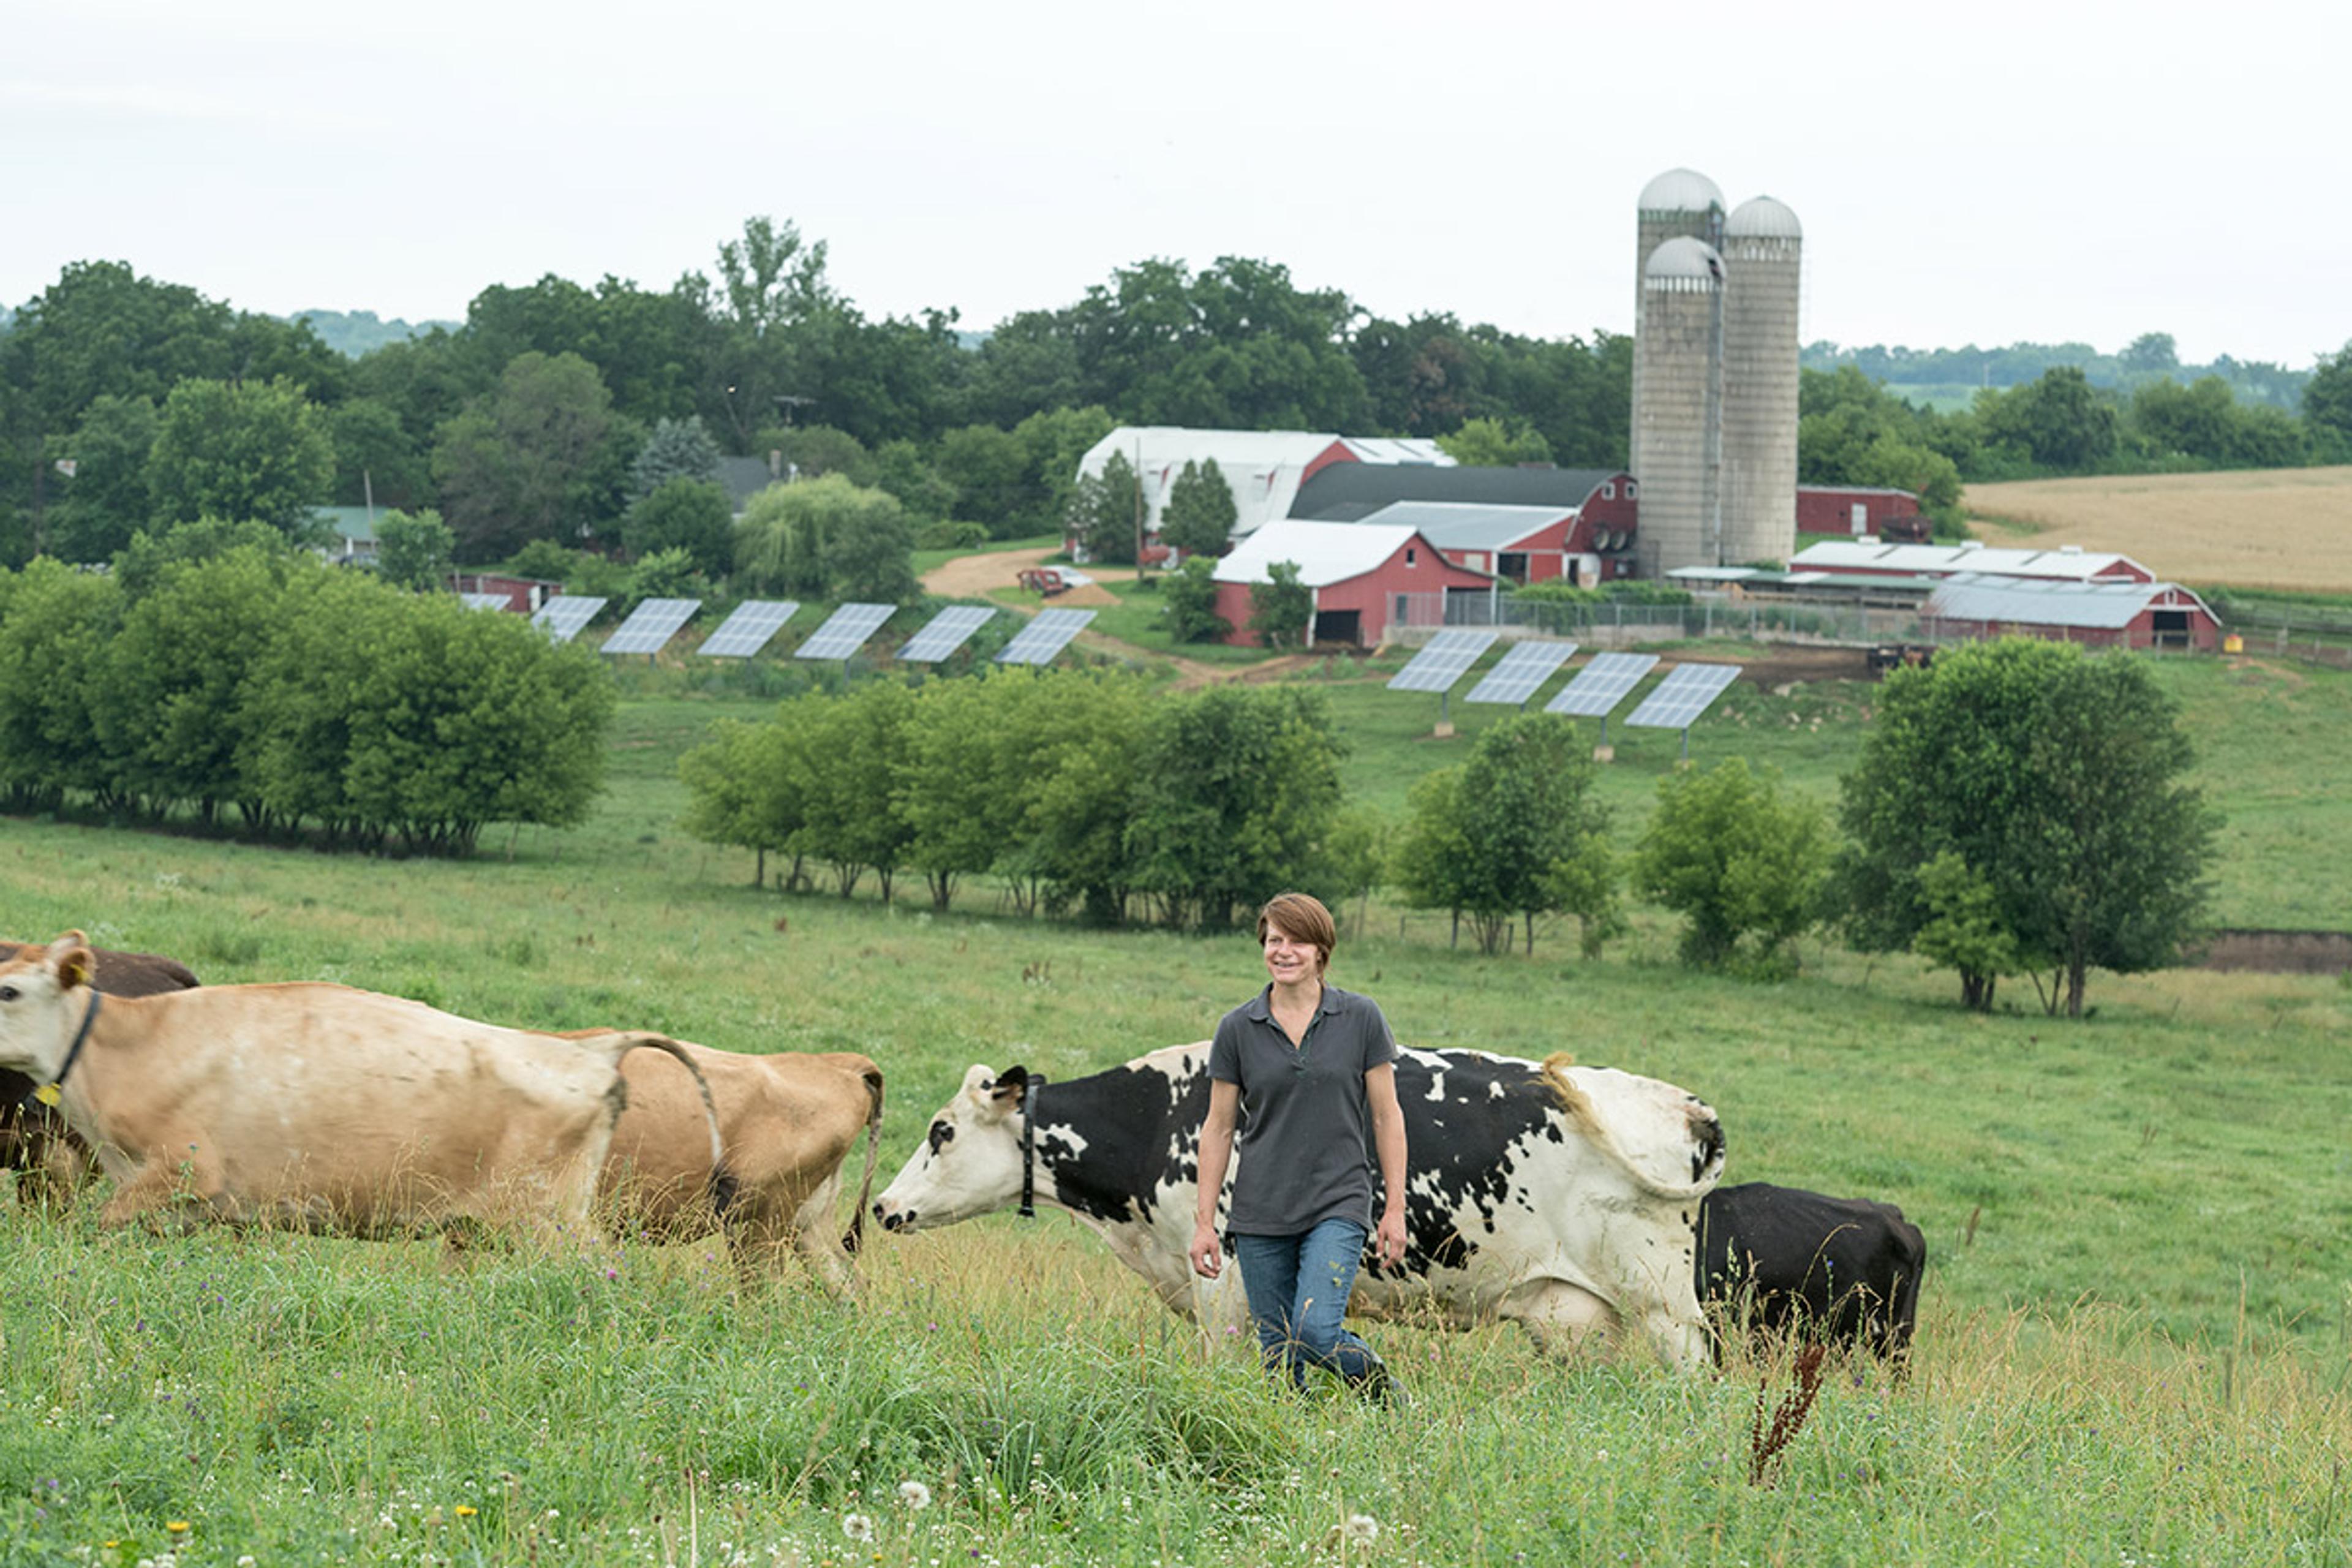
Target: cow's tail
(620,1044)
(1588,1120)
(856,1237)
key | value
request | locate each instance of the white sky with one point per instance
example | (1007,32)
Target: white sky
(1986,172)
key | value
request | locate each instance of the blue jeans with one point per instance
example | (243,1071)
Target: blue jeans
(1298,1288)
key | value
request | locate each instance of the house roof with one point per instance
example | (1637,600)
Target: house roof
(2067,563)
(2103,606)
(1464,525)
(1348,490)
(743,477)
(1324,553)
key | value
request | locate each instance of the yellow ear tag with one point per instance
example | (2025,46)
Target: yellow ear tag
(48,1094)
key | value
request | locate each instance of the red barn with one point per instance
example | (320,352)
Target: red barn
(1585,534)
(1363,576)
(1852,510)
(523,596)
(2109,614)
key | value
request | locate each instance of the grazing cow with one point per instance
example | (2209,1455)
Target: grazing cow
(786,1124)
(317,1106)
(34,1139)
(1782,1260)
(1563,1198)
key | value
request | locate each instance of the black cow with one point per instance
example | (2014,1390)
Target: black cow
(34,1139)
(1780,1260)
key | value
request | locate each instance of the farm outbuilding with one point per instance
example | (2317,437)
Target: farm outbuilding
(1584,516)
(1857,511)
(1362,575)
(1265,468)
(1520,543)
(2067,564)
(2116,613)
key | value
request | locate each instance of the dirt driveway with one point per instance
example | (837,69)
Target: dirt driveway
(975,577)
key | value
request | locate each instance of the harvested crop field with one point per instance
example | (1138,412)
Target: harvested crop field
(2263,528)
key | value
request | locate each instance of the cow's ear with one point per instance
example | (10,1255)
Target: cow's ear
(1009,1086)
(71,961)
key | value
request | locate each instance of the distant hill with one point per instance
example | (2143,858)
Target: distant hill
(1948,378)
(354,333)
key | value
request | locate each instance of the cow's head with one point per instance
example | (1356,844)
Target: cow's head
(44,991)
(970,1161)
(1667,1139)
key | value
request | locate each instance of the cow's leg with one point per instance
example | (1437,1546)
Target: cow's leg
(161,1191)
(1560,1317)
(815,1232)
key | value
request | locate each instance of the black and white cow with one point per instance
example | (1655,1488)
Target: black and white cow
(1782,1260)
(1563,1198)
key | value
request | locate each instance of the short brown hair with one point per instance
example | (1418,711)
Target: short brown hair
(1302,918)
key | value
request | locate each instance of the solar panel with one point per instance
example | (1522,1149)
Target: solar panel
(1046,635)
(1682,696)
(1602,684)
(483,601)
(1442,661)
(653,623)
(844,631)
(747,631)
(946,632)
(564,615)
(1524,667)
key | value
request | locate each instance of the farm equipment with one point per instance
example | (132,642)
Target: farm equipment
(1889,656)
(1045,580)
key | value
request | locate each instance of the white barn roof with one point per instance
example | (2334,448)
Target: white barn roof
(2067,563)
(1466,525)
(2099,606)
(1326,553)
(1265,468)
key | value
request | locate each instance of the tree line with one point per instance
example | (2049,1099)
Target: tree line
(2019,808)
(232,678)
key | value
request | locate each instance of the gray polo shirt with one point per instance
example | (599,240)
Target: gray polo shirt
(1306,1125)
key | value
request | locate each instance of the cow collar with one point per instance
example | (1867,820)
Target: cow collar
(51,1093)
(1029,1146)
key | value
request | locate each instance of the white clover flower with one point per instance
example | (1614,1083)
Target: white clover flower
(858,1527)
(915,1495)
(1362,1528)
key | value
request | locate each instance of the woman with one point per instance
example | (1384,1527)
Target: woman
(1312,1066)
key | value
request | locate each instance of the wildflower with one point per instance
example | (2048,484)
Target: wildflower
(915,1495)
(858,1527)
(1362,1528)
(177,1526)
(466,1511)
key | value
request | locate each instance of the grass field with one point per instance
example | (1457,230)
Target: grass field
(2261,528)
(2137,1329)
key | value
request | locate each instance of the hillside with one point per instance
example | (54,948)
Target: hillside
(2266,527)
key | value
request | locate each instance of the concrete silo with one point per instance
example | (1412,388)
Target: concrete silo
(1762,249)
(1678,417)
(1681,203)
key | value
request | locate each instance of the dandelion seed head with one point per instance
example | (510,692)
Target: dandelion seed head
(1361,1528)
(915,1495)
(856,1526)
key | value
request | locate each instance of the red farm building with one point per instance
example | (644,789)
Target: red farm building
(1525,525)
(2114,613)
(1367,578)
(1851,511)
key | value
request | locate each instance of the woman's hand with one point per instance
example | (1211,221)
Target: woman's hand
(1208,1254)
(1389,1243)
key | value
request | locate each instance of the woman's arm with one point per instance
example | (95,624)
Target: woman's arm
(1208,1254)
(1388,1141)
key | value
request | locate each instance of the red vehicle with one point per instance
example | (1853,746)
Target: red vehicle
(1045,580)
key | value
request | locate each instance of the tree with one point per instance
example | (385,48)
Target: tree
(1282,606)
(674,450)
(988,470)
(537,459)
(241,451)
(108,499)
(901,469)
(2059,421)
(1742,862)
(2151,353)
(2327,395)
(2025,806)
(377,461)
(1495,444)
(826,537)
(1200,516)
(960,788)
(414,552)
(1188,597)
(685,514)
(54,645)
(1106,513)
(1353,860)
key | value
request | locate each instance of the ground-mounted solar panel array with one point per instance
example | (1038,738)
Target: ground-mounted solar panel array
(1682,696)
(563,617)
(1442,660)
(483,601)
(948,631)
(1602,684)
(747,631)
(1524,667)
(652,624)
(844,631)
(1046,635)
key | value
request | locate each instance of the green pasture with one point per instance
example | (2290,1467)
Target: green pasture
(2136,1344)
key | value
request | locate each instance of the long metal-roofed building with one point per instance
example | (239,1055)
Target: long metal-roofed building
(1763,246)
(1263,469)
(2110,613)
(1589,540)
(1678,417)
(2068,562)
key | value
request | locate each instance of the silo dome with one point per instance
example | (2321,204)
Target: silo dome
(1761,217)
(1684,257)
(1679,191)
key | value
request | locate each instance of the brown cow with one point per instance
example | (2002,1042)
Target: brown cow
(34,1139)
(316,1105)
(786,1122)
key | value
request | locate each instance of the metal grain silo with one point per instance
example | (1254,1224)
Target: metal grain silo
(1763,245)
(1678,418)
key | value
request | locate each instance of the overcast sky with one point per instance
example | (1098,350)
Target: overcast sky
(1986,172)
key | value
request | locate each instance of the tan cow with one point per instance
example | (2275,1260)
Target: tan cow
(317,1106)
(786,1124)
